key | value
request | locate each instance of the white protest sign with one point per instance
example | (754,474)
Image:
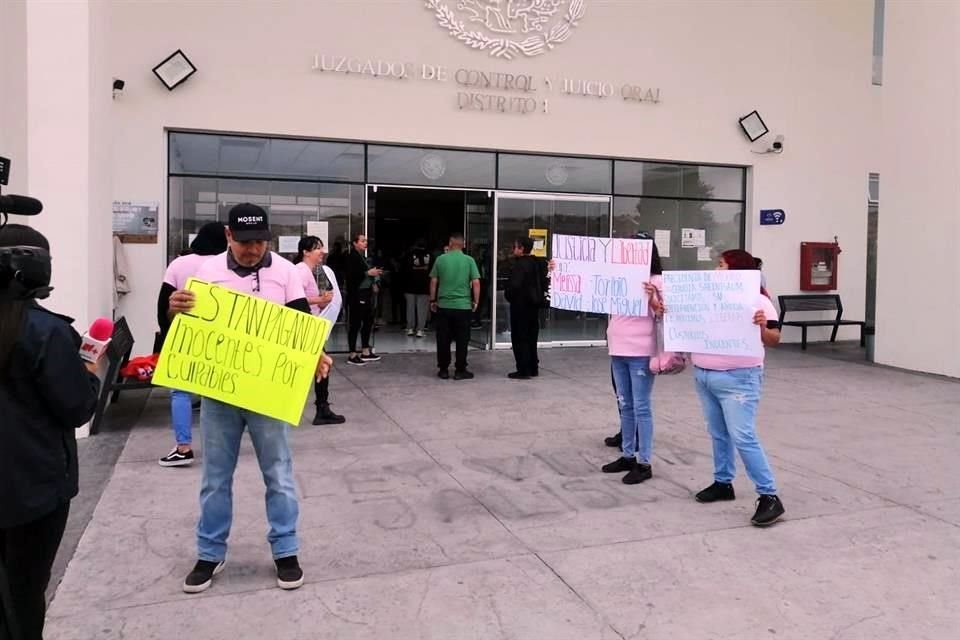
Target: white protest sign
(600,275)
(711,312)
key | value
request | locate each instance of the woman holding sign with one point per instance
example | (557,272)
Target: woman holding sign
(309,261)
(631,341)
(729,389)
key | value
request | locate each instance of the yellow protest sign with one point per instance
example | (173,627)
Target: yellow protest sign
(244,351)
(539,237)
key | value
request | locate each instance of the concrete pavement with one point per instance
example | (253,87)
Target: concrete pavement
(447,510)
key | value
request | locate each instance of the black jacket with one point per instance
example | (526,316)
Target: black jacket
(357,268)
(525,286)
(45,394)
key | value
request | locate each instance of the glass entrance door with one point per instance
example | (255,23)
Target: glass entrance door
(478,233)
(519,213)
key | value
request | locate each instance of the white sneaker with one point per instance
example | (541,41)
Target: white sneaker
(419,334)
(409,333)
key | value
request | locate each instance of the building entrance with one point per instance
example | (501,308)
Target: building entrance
(410,226)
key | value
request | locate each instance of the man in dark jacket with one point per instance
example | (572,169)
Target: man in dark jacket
(46,391)
(525,293)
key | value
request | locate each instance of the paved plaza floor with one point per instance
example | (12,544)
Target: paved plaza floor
(448,510)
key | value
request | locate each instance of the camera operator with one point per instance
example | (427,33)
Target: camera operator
(46,391)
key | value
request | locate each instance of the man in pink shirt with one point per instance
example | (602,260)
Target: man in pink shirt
(249,267)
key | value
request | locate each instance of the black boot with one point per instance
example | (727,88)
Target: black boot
(326,416)
(615,441)
(638,474)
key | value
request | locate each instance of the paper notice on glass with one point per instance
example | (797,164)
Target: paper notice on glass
(600,275)
(662,238)
(703,254)
(711,312)
(190,238)
(321,229)
(690,238)
(289,244)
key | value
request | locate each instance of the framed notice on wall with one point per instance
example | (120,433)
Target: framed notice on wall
(136,222)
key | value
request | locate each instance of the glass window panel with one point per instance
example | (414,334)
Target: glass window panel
(553,173)
(431,167)
(721,221)
(648,178)
(265,157)
(712,183)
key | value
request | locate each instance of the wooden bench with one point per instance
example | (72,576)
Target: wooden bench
(816,302)
(118,355)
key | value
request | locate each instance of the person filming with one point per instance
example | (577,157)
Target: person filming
(46,391)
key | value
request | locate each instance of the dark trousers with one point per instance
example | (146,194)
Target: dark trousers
(322,390)
(524,332)
(452,325)
(361,320)
(27,553)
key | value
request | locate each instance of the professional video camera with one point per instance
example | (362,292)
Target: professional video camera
(24,271)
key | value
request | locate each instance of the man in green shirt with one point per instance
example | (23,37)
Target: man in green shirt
(454,296)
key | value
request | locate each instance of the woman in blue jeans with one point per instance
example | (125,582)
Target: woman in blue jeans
(210,241)
(631,341)
(729,389)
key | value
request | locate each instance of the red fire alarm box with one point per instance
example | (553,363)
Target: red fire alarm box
(818,266)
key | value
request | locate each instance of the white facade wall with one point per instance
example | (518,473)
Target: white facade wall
(918,280)
(806,66)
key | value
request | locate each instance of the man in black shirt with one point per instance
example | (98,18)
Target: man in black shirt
(525,293)
(417,265)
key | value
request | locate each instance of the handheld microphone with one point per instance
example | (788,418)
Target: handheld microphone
(20,205)
(95,340)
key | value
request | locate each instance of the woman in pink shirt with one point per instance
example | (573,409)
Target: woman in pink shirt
(210,241)
(729,389)
(631,341)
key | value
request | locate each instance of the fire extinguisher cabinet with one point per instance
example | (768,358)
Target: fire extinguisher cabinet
(818,266)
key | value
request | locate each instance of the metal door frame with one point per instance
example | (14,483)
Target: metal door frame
(500,194)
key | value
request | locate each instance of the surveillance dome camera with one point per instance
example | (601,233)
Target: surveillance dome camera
(777,145)
(118,85)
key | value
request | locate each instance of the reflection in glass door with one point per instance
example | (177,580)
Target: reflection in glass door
(478,233)
(517,214)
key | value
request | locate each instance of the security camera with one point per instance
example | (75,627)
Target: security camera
(118,85)
(777,145)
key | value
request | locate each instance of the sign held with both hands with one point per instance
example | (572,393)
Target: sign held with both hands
(244,351)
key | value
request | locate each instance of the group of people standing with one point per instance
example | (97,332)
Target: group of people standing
(729,389)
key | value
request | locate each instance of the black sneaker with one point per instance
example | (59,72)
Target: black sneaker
(201,577)
(289,573)
(638,474)
(516,375)
(463,375)
(717,491)
(619,465)
(177,459)
(443,374)
(370,357)
(614,441)
(769,510)
(326,416)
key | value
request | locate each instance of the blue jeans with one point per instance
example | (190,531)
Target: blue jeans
(634,384)
(222,426)
(730,400)
(181,413)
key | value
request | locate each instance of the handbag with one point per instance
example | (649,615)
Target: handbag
(665,363)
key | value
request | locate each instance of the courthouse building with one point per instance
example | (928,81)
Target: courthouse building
(700,122)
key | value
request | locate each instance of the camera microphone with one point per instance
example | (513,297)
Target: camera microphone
(20,205)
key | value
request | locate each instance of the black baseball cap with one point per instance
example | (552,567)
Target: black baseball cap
(249,222)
